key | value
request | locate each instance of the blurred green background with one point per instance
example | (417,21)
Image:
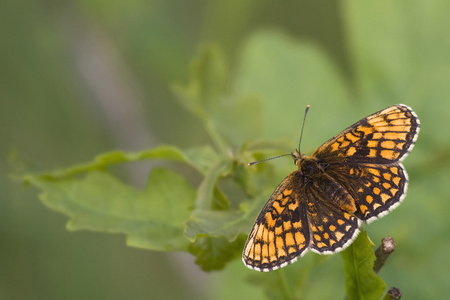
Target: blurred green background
(78,78)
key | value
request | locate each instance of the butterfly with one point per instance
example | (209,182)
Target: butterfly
(354,177)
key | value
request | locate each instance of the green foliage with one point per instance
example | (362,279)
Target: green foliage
(213,253)
(253,111)
(361,280)
(170,214)
(222,113)
(152,218)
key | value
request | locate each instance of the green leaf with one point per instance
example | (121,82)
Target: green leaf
(235,112)
(223,113)
(104,160)
(213,253)
(394,52)
(205,87)
(219,223)
(283,284)
(360,279)
(201,158)
(206,84)
(153,218)
(288,74)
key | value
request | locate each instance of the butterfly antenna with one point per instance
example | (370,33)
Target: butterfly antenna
(301,134)
(303,126)
(270,158)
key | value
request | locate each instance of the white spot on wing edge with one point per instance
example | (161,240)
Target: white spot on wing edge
(395,205)
(275,267)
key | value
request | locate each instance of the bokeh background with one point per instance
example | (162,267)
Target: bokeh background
(78,78)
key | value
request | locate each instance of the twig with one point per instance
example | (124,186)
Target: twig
(393,294)
(386,248)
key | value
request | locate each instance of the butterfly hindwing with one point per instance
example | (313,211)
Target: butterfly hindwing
(281,231)
(332,228)
(377,189)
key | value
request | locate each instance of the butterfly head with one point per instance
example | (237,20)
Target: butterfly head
(297,156)
(307,166)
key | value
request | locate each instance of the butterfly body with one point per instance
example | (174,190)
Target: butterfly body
(354,177)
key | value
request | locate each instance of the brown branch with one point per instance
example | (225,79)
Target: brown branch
(386,248)
(393,294)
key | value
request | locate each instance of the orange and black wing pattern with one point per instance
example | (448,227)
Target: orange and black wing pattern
(296,218)
(366,159)
(281,233)
(354,177)
(384,137)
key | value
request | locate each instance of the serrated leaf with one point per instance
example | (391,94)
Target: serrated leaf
(104,160)
(229,224)
(223,113)
(206,84)
(213,253)
(201,157)
(362,283)
(152,218)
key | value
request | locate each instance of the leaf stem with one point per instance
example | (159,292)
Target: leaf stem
(215,135)
(205,191)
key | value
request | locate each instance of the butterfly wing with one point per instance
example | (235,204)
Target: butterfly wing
(332,229)
(377,189)
(363,180)
(384,137)
(296,218)
(281,233)
(365,159)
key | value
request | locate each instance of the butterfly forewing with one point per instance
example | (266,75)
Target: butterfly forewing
(383,137)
